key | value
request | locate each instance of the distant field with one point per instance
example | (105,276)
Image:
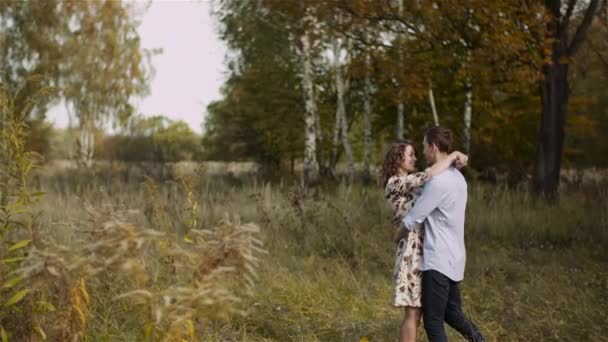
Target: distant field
(219,168)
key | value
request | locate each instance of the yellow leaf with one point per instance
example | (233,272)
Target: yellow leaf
(53,271)
(190,327)
(148,330)
(41,332)
(81,316)
(83,291)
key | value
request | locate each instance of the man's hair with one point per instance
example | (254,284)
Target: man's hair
(440,136)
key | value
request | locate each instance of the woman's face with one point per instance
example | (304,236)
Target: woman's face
(409,160)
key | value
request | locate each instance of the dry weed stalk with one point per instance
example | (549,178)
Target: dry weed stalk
(209,262)
(46,289)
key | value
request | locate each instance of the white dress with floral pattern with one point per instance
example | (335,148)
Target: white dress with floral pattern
(401,192)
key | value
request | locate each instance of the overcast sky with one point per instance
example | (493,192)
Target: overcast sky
(189,72)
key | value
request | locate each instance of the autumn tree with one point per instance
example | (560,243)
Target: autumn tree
(89,50)
(261,116)
(555,87)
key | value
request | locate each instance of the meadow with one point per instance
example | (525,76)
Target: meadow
(120,220)
(315,265)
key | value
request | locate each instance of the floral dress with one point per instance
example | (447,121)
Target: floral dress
(401,192)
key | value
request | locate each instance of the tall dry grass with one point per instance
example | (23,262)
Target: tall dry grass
(535,272)
(109,272)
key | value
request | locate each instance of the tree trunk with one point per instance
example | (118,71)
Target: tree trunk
(322,159)
(367,124)
(4,152)
(341,110)
(400,133)
(310,138)
(335,142)
(86,144)
(468,112)
(555,91)
(400,119)
(433,107)
(348,151)
(468,103)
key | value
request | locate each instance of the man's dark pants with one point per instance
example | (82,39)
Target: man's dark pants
(441,302)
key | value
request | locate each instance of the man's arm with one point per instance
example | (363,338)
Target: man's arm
(431,197)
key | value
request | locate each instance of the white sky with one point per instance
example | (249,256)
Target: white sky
(190,70)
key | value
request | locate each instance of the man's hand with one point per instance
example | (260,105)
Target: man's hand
(402,233)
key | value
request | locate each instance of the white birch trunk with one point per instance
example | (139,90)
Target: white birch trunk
(400,119)
(367,113)
(341,110)
(86,144)
(432,102)
(336,140)
(468,112)
(70,140)
(4,153)
(468,106)
(400,105)
(319,134)
(310,138)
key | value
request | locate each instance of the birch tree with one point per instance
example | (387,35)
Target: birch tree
(468,106)
(311,169)
(90,50)
(367,115)
(340,84)
(400,105)
(432,104)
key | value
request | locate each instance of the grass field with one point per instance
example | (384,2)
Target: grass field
(534,272)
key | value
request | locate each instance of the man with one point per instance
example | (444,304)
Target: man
(442,208)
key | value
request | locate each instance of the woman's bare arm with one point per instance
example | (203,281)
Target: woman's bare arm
(455,158)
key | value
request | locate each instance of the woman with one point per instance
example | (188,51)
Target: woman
(403,186)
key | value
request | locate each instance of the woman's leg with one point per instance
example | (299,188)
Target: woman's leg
(409,326)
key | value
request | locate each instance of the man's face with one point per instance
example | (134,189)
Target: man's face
(429,152)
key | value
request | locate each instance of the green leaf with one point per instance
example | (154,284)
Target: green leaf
(38,194)
(3,334)
(17,297)
(11,282)
(12,260)
(46,306)
(16,208)
(148,330)
(19,245)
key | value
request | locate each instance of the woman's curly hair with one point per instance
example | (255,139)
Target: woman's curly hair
(393,158)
